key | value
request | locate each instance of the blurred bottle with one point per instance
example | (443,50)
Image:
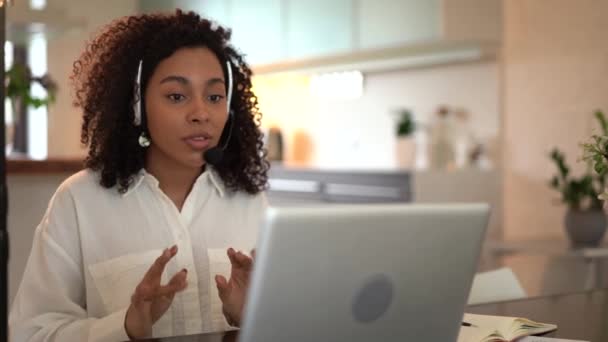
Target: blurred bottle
(274,144)
(442,132)
(463,139)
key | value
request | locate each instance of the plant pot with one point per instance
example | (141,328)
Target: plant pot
(406,152)
(16,131)
(585,228)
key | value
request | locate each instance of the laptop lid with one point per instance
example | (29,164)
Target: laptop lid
(363,272)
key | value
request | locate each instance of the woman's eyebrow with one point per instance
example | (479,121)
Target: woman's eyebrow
(183,80)
(214,80)
(174,78)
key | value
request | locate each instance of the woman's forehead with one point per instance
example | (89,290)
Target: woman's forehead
(194,63)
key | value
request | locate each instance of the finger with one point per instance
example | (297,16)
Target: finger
(253,254)
(244,261)
(155,271)
(232,256)
(237,259)
(222,287)
(177,283)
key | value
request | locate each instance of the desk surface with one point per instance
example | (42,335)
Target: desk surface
(555,247)
(580,316)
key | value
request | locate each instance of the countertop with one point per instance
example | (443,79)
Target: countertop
(21,166)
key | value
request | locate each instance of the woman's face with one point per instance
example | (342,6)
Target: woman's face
(185,107)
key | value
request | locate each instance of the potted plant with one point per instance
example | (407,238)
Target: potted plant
(406,145)
(585,219)
(595,151)
(18,81)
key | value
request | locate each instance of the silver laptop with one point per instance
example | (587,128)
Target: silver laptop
(363,273)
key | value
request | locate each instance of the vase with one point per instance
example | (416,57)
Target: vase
(406,152)
(16,136)
(585,228)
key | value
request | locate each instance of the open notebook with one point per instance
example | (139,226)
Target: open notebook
(497,328)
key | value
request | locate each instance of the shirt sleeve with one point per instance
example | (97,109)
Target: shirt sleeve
(50,304)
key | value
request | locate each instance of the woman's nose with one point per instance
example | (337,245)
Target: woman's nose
(199,112)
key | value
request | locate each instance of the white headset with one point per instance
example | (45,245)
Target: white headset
(137,95)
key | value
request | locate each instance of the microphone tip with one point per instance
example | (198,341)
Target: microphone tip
(213,156)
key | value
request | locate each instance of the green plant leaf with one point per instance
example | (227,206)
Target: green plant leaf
(406,124)
(19,83)
(601,118)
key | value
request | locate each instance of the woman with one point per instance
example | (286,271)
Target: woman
(139,243)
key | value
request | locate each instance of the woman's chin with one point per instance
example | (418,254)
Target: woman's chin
(194,161)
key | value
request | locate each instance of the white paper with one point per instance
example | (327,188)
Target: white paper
(546,339)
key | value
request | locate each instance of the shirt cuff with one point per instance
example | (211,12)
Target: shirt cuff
(110,328)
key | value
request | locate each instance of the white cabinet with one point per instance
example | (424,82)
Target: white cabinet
(156,5)
(383,23)
(256,24)
(257,30)
(216,10)
(318,27)
(269,31)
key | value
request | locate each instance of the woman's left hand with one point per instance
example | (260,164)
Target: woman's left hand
(233,291)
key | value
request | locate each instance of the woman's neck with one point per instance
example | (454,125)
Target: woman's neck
(175,180)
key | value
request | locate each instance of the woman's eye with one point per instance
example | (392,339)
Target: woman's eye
(215,98)
(175,97)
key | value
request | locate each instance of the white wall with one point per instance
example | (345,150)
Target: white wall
(356,134)
(555,67)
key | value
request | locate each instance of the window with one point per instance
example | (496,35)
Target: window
(37,132)
(30,138)
(38,4)
(337,85)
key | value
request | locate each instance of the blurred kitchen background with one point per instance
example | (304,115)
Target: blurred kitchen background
(368,101)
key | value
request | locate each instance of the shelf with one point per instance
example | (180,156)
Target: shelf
(419,55)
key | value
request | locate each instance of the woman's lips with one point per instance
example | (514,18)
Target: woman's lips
(198,143)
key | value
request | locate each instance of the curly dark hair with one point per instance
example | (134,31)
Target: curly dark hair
(104,76)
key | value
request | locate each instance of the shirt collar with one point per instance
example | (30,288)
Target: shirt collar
(210,175)
(216,180)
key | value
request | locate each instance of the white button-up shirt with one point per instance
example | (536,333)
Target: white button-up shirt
(94,245)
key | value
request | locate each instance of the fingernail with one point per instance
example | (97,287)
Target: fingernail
(173,249)
(185,271)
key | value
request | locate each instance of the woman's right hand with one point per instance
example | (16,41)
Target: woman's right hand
(151,299)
